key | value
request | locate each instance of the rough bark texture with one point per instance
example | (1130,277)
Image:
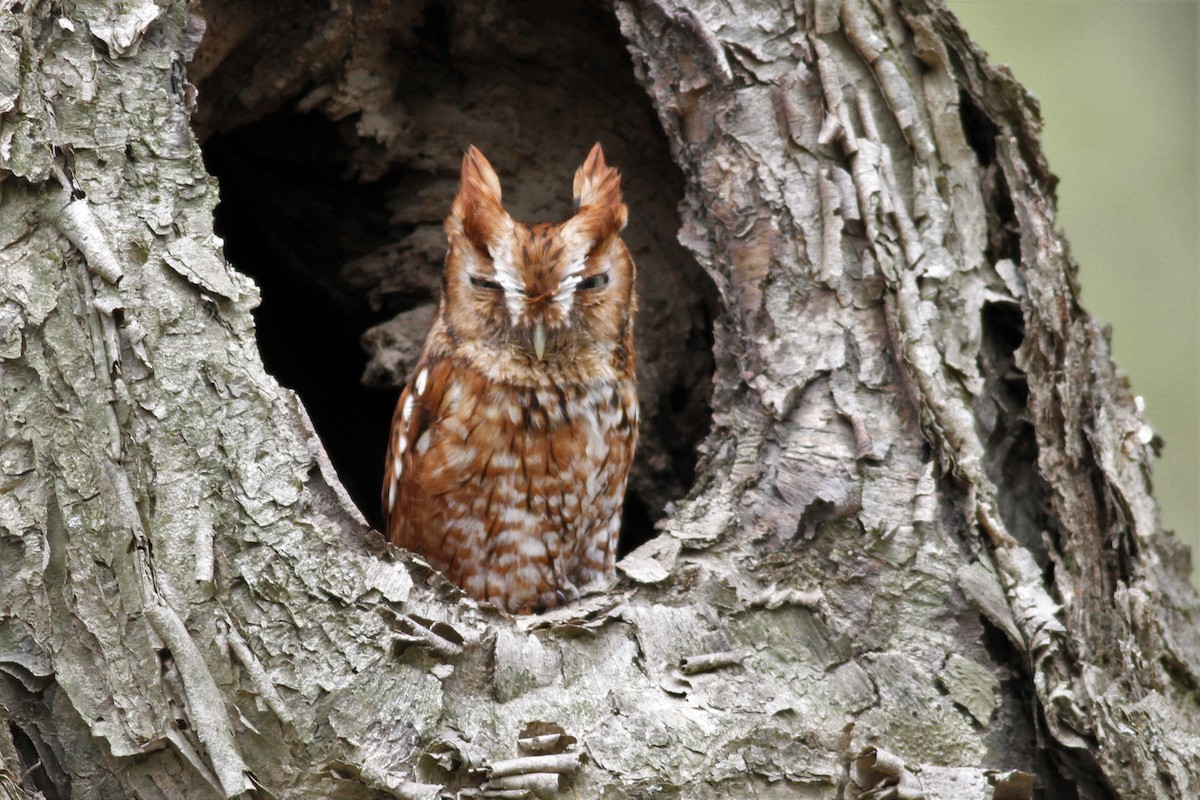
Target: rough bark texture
(920,558)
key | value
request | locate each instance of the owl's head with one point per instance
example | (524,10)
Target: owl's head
(544,293)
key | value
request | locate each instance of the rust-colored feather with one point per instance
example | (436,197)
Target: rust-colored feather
(512,441)
(597,192)
(477,208)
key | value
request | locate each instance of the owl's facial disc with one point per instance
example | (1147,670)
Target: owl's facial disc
(537,282)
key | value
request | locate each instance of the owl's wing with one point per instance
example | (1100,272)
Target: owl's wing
(426,433)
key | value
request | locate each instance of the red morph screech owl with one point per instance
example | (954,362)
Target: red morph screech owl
(511,443)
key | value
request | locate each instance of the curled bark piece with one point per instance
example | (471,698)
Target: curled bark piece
(77,222)
(258,676)
(542,785)
(206,707)
(437,637)
(707,662)
(563,764)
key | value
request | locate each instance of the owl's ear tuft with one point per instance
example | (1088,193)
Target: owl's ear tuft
(597,191)
(477,207)
(478,177)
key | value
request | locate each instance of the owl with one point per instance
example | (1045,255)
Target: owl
(511,443)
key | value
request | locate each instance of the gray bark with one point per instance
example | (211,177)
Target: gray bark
(920,559)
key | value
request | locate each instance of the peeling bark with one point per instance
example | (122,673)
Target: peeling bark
(920,557)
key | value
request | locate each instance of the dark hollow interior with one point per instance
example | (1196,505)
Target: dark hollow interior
(336,136)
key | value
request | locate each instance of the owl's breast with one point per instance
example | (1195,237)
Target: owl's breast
(551,445)
(510,489)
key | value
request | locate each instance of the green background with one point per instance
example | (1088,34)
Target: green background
(1117,82)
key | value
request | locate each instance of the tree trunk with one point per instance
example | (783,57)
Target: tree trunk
(919,556)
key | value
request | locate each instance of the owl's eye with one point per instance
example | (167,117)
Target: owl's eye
(484,283)
(593,281)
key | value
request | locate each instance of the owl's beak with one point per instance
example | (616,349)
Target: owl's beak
(539,340)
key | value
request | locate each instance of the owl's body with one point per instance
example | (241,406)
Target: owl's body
(512,441)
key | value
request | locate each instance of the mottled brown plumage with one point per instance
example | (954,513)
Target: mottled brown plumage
(512,440)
